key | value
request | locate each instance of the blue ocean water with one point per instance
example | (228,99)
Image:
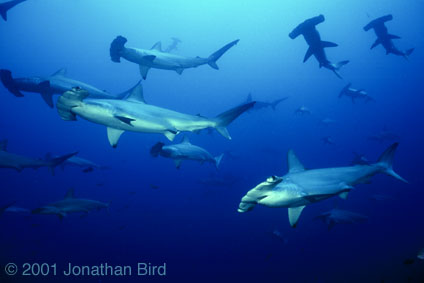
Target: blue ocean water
(188,218)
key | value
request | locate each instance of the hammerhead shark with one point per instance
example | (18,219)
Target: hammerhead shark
(339,216)
(20,162)
(70,204)
(316,45)
(384,38)
(135,115)
(57,83)
(301,187)
(185,151)
(173,45)
(263,104)
(355,93)
(6,6)
(157,59)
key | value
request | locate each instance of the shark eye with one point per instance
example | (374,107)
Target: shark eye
(271,179)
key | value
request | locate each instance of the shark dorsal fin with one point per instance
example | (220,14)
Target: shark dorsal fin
(70,193)
(293,162)
(157,46)
(136,94)
(60,72)
(3,145)
(249,97)
(185,139)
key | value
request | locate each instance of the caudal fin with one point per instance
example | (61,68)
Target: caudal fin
(386,162)
(224,119)
(68,100)
(59,160)
(337,66)
(218,160)
(278,101)
(9,83)
(215,56)
(117,45)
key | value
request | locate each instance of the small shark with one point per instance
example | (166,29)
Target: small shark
(338,216)
(302,110)
(157,59)
(134,114)
(384,38)
(78,162)
(57,83)
(355,93)
(359,159)
(173,45)
(301,187)
(5,207)
(316,45)
(384,135)
(328,140)
(19,162)
(263,104)
(6,6)
(70,204)
(184,151)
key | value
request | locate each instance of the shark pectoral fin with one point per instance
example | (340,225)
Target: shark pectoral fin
(113,136)
(170,135)
(179,70)
(125,120)
(308,54)
(144,70)
(177,163)
(326,44)
(392,36)
(377,42)
(224,132)
(294,214)
(48,98)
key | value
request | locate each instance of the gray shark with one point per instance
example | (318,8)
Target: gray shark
(157,59)
(184,151)
(135,115)
(20,162)
(384,135)
(303,110)
(316,45)
(5,207)
(56,83)
(262,104)
(355,93)
(359,159)
(6,6)
(173,45)
(77,161)
(339,216)
(70,204)
(301,187)
(384,38)
(16,209)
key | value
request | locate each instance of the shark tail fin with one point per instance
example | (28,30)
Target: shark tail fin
(338,66)
(8,82)
(117,45)
(216,55)
(386,162)
(409,52)
(53,162)
(218,160)
(275,103)
(156,149)
(224,119)
(3,13)
(68,100)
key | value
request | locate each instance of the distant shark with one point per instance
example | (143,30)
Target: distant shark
(316,45)
(301,187)
(262,104)
(6,6)
(338,216)
(384,38)
(355,93)
(302,110)
(157,59)
(135,115)
(70,204)
(19,162)
(77,161)
(5,207)
(184,151)
(173,45)
(57,83)
(384,135)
